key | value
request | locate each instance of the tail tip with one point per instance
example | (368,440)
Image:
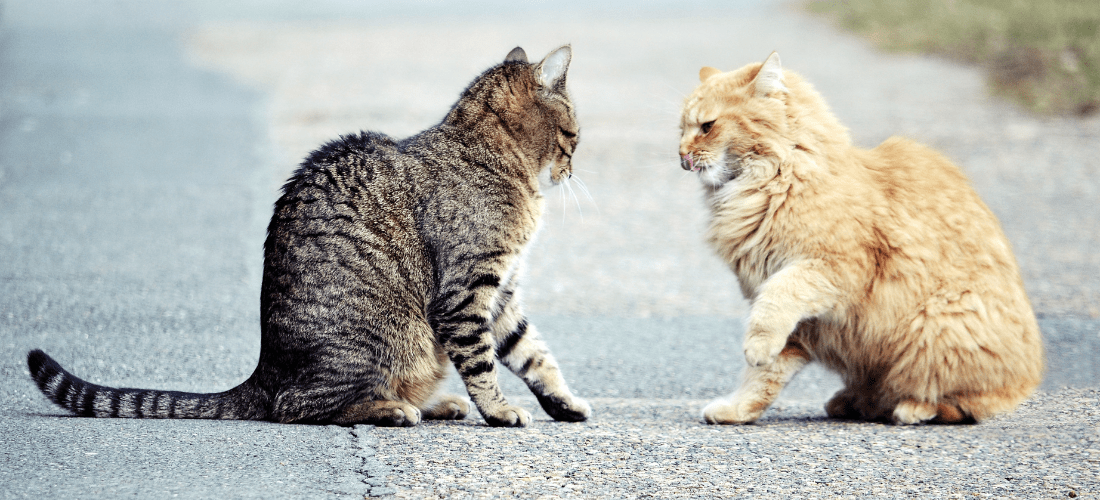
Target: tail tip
(36,359)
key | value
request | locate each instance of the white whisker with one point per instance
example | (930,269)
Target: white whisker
(561,190)
(569,185)
(584,189)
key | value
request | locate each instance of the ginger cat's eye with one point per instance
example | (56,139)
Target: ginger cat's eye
(705,128)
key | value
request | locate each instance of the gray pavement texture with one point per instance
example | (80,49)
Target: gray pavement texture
(141,144)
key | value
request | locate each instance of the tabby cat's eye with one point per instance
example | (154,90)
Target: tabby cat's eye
(705,128)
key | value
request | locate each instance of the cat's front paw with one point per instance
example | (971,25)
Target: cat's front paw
(726,411)
(762,349)
(508,416)
(567,408)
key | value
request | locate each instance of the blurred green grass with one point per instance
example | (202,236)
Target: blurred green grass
(1044,54)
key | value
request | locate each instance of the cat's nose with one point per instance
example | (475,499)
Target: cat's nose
(686,162)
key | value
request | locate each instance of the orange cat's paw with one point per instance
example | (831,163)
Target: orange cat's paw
(733,411)
(762,349)
(913,412)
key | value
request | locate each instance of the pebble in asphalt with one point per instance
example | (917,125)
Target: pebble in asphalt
(141,146)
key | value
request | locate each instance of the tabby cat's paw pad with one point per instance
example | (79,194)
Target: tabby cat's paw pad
(722,411)
(509,416)
(566,408)
(762,350)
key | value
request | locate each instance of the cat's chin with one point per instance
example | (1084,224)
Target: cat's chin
(716,177)
(546,180)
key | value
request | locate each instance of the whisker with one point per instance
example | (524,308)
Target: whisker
(569,185)
(562,191)
(584,189)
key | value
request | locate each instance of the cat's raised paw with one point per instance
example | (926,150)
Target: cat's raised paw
(725,411)
(509,416)
(762,349)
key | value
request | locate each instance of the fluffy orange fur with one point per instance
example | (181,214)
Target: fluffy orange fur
(884,265)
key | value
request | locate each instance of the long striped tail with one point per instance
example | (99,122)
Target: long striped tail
(90,400)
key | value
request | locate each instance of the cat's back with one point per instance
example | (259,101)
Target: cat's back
(361,176)
(934,224)
(336,167)
(908,172)
(349,209)
(922,190)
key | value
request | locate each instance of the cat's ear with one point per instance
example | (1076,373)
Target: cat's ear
(706,72)
(551,71)
(516,55)
(770,78)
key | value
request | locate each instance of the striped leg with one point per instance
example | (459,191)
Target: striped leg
(462,325)
(522,351)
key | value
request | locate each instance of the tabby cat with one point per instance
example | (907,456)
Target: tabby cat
(386,259)
(884,265)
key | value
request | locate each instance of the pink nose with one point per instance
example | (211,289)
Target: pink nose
(686,162)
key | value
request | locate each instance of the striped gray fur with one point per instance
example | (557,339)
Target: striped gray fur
(387,259)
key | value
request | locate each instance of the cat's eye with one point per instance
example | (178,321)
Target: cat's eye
(705,128)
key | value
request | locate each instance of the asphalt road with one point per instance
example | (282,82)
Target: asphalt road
(141,144)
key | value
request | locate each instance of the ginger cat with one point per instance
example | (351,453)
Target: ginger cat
(883,264)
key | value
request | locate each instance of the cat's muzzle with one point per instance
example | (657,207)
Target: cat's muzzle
(688,163)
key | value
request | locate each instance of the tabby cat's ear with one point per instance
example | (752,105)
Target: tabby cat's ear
(516,55)
(770,78)
(706,72)
(551,71)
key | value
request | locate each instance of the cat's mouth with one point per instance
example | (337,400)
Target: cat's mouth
(687,162)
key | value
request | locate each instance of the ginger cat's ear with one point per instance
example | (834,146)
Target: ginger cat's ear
(770,78)
(516,55)
(707,72)
(551,71)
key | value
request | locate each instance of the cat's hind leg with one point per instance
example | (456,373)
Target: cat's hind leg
(760,385)
(446,407)
(520,348)
(845,404)
(382,413)
(967,409)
